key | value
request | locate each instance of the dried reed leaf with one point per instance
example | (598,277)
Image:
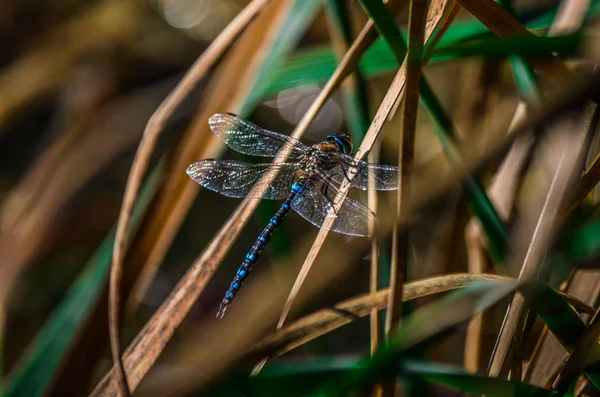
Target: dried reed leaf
(504,185)
(357,113)
(374,323)
(400,244)
(438,12)
(583,283)
(540,235)
(549,356)
(153,129)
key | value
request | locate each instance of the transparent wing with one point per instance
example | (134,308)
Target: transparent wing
(385,177)
(352,218)
(245,137)
(237,179)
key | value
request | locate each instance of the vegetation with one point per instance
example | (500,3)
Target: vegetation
(481,277)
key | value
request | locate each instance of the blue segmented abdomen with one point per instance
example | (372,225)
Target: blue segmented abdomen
(259,246)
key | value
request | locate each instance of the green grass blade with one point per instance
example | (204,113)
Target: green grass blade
(379,60)
(522,71)
(482,206)
(497,48)
(301,14)
(560,318)
(283,379)
(457,379)
(386,27)
(298,379)
(584,241)
(45,355)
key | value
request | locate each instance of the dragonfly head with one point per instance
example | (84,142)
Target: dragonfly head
(341,140)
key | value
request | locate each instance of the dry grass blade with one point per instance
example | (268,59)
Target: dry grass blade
(549,355)
(375,330)
(504,185)
(374,266)
(438,13)
(588,182)
(142,158)
(400,245)
(570,147)
(324,321)
(502,23)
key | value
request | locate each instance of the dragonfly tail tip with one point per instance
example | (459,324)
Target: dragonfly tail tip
(222,310)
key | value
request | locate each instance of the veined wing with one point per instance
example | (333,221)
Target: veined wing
(237,179)
(352,218)
(245,137)
(385,177)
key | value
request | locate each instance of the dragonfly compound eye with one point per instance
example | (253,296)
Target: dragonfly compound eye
(343,141)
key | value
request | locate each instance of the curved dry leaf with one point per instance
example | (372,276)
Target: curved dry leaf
(326,320)
(504,185)
(570,136)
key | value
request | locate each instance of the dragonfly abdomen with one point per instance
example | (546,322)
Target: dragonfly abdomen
(258,247)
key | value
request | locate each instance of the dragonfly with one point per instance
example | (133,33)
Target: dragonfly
(308,181)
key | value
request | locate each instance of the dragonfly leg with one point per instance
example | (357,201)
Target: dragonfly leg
(324,188)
